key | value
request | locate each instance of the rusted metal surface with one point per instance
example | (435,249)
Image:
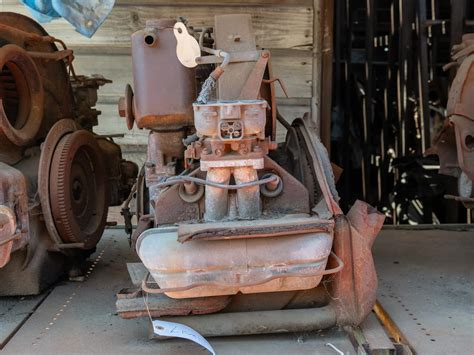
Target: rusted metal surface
(252,229)
(353,290)
(7,234)
(234,33)
(120,174)
(464,130)
(78,189)
(251,89)
(14,223)
(57,132)
(244,231)
(258,265)
(58,100)
(21,101)
(126,107)
(52,174)
(130,305)
(163,89)
(454,144)
(85,94)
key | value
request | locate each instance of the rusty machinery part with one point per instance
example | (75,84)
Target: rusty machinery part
(7,233)
(454,144)
(297,156)
(21,96)
(121,174)
(126,107)
(51,63)
(78,189)
(14,221)
(464,133)
(191,192)
(301,273)
(57,132)
(272,188)
(161,107)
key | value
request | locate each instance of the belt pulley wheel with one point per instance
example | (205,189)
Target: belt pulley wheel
(77,188)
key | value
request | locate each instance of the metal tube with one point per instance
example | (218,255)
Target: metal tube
(216,201)
(263,322)
(248,199)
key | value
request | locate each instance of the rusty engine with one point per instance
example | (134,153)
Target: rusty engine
(229,220)
(55,189)
(454,144)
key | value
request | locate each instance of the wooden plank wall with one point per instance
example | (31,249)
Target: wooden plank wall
(283,26)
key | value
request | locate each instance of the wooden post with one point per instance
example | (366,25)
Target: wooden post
(322,69)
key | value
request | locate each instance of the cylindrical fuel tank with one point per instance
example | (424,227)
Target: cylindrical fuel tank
(164,89)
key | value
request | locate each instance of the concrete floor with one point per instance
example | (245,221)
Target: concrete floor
(426,284)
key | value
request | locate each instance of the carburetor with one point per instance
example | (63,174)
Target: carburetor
(232,144)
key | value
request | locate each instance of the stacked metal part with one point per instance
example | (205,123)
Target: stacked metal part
(54,188)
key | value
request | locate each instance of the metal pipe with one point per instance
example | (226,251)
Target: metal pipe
(262,322)
(248,199)
(217,199)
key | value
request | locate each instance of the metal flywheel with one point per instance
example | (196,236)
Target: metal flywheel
(78,190)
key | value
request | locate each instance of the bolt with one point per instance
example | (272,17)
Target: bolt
(218,152)
(190,187)
(205,151)
(272,185)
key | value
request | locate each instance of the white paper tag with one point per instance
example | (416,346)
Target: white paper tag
(187,47)
(170,329)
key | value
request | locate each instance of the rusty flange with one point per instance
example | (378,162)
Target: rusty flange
(20,78)
(78,189)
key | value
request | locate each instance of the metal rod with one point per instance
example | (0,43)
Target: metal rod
(263,322)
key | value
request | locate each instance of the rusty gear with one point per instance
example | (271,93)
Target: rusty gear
(77,186)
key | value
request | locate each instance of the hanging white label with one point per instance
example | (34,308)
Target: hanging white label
(170,329)
(187,47)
